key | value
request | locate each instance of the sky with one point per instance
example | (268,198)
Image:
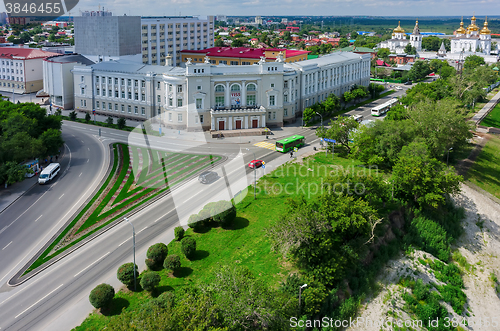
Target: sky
(295,7)
(413,8)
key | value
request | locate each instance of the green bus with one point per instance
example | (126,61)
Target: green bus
(286,145)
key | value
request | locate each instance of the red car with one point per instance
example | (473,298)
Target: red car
(255,164)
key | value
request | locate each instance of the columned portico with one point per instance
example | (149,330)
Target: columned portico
(251,118)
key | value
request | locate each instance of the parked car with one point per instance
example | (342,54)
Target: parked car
(358,118)
(399,88)
(255,164)
(408,83)
(207,177)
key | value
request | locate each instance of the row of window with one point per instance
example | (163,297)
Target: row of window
(110,81)
(236,88)
(12,78)
(13,85)
(12,70)
(11,63)
(116,107)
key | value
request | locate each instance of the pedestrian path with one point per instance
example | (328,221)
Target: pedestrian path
(265,144)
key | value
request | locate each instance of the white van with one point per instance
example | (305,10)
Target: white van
(49,173)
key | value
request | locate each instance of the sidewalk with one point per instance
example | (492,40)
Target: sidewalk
(486,109)
(13,192)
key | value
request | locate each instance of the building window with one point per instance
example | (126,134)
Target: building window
(135,110)
(123,108)
(170,87)
(116,107)
(97,104)
(116,94)
(110,93)
(179,88)
(251,87)
(143,97)
(179,102)
(143,111)
(82,90)
(129,82)
(143,83)
(136,83)
(123,82)
(130,95)
(116,81)
(109,80)
(198,104)
(235,88)
(269,115)
(82,79)
(98,91)
(274,115)
(179,117)
(159,98)
(170,117)
(103,92)
(129,109)
(123,94)
(285,84)
(251,100)
(272,100)
(136,96)
(170,102)
(286,112)
(158,85)
(219,101)
(81,101)
(234,63)
(272,84)
(285,98)
(201,118)
(198,87)
(219,88)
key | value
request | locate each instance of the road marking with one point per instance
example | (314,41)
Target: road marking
(38,218)
(142,230)
(61,196)
(265,144)
(80,174)
(7,246)
(38,301)
(88,160)
(102,257)
(124,241)
(5,228)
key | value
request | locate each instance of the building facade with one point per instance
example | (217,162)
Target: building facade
(398,41)
(242,55)
(204,96)
(165,35)
(21,69)
(472,39)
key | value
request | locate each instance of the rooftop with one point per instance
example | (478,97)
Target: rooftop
(24,53)
(243,52)
(69,58)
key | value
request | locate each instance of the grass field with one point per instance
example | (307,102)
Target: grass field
(485,172)
(245,244)
(493,118)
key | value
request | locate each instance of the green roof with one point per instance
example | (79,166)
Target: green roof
(310,57)
(357,49)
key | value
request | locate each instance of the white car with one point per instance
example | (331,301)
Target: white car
(399,88)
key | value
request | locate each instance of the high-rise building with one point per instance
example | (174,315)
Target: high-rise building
(97,13)
(165,35)
(102,38)
(258,20)
(221,18)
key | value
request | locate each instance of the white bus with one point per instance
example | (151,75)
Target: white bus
(383,108)
(49,173)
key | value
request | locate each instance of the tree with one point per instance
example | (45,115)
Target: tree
(422,180)
(219,42)
(419,70)
(473,61)
(410,50)
(157,252)
(172,262)
(188,247)
(343,42)
(179,233)
(238,42)
(223,213)
(109,121)
(72,115)
(121,123)
(12,172)
(125,273)
(149,280)
(383,53)
(339,130)
(87,117)
(101,296)
(52,140)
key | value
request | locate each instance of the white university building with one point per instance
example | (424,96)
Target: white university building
(204,96)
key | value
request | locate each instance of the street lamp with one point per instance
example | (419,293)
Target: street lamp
(321,118)
(300,293)
(448,155)
(254,176)
(133,236)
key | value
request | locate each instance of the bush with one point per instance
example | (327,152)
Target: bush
(157,252)
(101,295)
(87,117)
(179,233)
(149,280)
(166,299)
(194,222)
(172,262)
(72,115)
(121,122)
(188,247)
(109,121)
(151,264)
(224,213)
(125,273)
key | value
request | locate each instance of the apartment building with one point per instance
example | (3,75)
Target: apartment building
(204,96)
(165,35)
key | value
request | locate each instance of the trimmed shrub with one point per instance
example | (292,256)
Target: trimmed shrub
(188,246)
(87,117)
(157,252)
(166,299)
(194,222)
(121,122)
(101,295)
(225,213)
(109,121)
(72,115)
(172,262)
(179,233)
(149,280)
(151,264)
(125,273)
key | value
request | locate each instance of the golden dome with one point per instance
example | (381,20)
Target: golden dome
(461,29)
(472,26)
(485,29)
(399,29)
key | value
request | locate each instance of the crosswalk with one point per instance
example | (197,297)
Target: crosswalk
(265,144)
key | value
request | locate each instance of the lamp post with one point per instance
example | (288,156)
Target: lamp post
(133,236)
(254,177)
(321,118)
(300,294)
(448,155)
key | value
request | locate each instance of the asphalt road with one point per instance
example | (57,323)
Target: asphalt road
(57,298)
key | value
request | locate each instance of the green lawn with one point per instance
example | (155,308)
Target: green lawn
(485,172)
(493,118)
(246,244)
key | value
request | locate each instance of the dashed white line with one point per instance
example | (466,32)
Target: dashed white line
(38,218)
(80,174)
(7,246)
(142,230)
(102,257)
(38,301)
(88,160)
(61,196)
(124,241)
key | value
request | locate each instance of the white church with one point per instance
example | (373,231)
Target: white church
(398,41)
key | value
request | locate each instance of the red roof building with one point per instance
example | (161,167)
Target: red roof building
(293,28)
(242,55)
